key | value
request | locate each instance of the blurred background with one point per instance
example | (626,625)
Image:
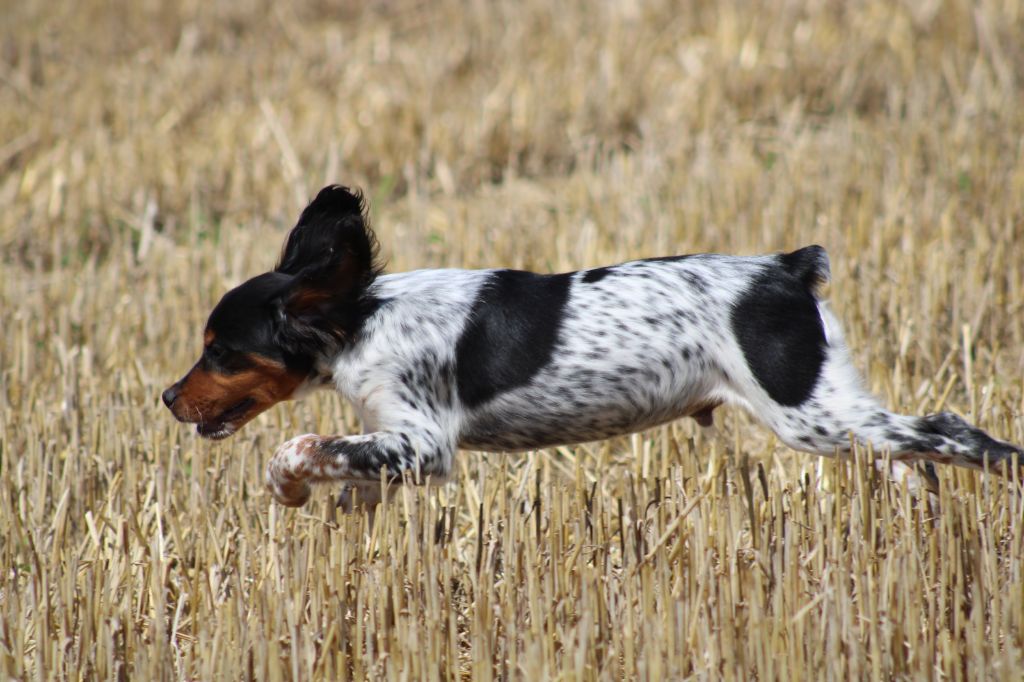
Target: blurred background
(632,126)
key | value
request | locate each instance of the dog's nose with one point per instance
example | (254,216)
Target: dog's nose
(170,395)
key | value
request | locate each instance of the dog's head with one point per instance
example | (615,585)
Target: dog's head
(265,338)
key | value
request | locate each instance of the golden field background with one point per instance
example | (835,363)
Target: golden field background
(153,155)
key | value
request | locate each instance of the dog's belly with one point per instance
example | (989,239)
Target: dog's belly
(496,435)
(560,413)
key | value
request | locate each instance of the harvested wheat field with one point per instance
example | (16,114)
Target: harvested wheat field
(154,155)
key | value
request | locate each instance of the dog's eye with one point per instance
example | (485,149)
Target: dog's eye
(225,360)
(216,352)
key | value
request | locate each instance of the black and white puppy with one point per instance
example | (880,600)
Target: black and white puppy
(503,360)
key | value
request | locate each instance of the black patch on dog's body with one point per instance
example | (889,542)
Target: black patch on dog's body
(780,333)
(596,274)
(511,334)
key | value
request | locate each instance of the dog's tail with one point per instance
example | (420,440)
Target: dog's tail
(809,265)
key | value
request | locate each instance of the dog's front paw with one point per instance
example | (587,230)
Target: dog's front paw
(289,469)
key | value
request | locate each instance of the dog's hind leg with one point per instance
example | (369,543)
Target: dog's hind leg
(362,494)
(796,376)
(839,408)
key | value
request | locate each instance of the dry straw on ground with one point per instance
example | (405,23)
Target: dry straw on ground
(152,155)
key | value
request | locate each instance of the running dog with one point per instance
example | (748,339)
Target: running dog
(505,360)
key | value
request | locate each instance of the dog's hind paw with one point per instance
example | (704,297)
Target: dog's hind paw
(359,496)
(972,446)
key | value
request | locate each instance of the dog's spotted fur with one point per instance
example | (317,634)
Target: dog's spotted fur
(503,360)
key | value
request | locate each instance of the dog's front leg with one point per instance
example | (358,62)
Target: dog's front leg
(310,458)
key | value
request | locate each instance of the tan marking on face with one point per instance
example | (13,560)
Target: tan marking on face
(206,395)
(208,337)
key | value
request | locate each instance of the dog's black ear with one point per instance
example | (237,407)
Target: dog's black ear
(332,240)
(331,254)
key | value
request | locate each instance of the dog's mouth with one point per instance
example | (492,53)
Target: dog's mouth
(224,424)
